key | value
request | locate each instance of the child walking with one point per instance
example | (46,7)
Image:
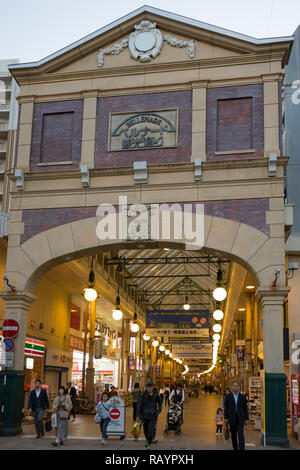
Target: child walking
(103,415)
(219,421)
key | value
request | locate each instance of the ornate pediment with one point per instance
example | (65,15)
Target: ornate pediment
(146,43)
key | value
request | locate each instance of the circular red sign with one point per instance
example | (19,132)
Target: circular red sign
(115,413)
(10,328)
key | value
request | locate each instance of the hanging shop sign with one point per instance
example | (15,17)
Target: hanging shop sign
(175,323)
(75,317)
(193,350)
(240,350)
(143,130)
(173,334)
(76,343)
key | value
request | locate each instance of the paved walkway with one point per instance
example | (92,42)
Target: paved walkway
(198,432)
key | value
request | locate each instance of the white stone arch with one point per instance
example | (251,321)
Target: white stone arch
(240,242)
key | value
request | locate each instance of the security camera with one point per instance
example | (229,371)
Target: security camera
(5,278)
(293,266)
(277,271)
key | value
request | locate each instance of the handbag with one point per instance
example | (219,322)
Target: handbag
(63,414)
(54,420)
(48,425)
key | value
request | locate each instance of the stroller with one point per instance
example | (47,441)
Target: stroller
(173,420)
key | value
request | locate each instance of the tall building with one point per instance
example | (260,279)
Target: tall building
(291,147)
(8,128)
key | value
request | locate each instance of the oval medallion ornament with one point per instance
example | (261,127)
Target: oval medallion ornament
(146,42)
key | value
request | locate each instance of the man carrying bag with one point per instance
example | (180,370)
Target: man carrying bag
(148,408)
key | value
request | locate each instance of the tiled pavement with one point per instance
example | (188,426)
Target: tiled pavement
(198,432)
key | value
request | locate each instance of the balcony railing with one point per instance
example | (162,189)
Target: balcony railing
(3,127)
(3,148)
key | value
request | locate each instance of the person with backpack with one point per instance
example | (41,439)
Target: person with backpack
(102,416)
(148,408)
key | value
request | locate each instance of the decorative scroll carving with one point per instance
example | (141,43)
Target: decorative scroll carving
(145,43)
(180,43)
(114,50)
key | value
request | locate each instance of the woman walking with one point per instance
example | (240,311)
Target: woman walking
(136,392)
(62,406)
(103,415)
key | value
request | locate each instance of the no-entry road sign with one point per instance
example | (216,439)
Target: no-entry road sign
(10,328)
(115,413)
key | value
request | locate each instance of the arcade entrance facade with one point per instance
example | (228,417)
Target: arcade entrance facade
(196,123)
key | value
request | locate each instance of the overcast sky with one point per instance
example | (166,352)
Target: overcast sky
(33,29)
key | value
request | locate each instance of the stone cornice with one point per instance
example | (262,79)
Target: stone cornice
(171,167)
(244,59)
(153,89)
(17,299)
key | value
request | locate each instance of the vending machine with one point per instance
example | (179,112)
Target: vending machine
(295,386)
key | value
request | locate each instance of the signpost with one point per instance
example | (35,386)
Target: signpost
(116,426)
(10,328)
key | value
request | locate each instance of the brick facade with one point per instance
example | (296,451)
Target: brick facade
(235,123)
(247,211)
(56,134)
(144,102)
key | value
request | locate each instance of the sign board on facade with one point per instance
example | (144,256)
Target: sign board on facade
(143,130)
(58,358)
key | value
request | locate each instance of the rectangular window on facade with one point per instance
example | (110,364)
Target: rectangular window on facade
(57,137)
(234,124)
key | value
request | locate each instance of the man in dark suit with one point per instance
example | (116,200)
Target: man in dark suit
(38,405)
(236,414)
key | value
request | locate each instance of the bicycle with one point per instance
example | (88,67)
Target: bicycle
(85,406)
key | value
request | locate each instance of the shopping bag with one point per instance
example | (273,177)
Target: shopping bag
(54,420)
(97,418)
(136,429)
(48,425)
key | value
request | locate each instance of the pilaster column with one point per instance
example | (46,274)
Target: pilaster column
(25,132)
(271,114)
(12,378)
(199,120)
(125,354)
(89,128)
(248,342)
(271,301)
(255,336)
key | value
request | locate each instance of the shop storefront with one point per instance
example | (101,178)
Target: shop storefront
(58,365)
